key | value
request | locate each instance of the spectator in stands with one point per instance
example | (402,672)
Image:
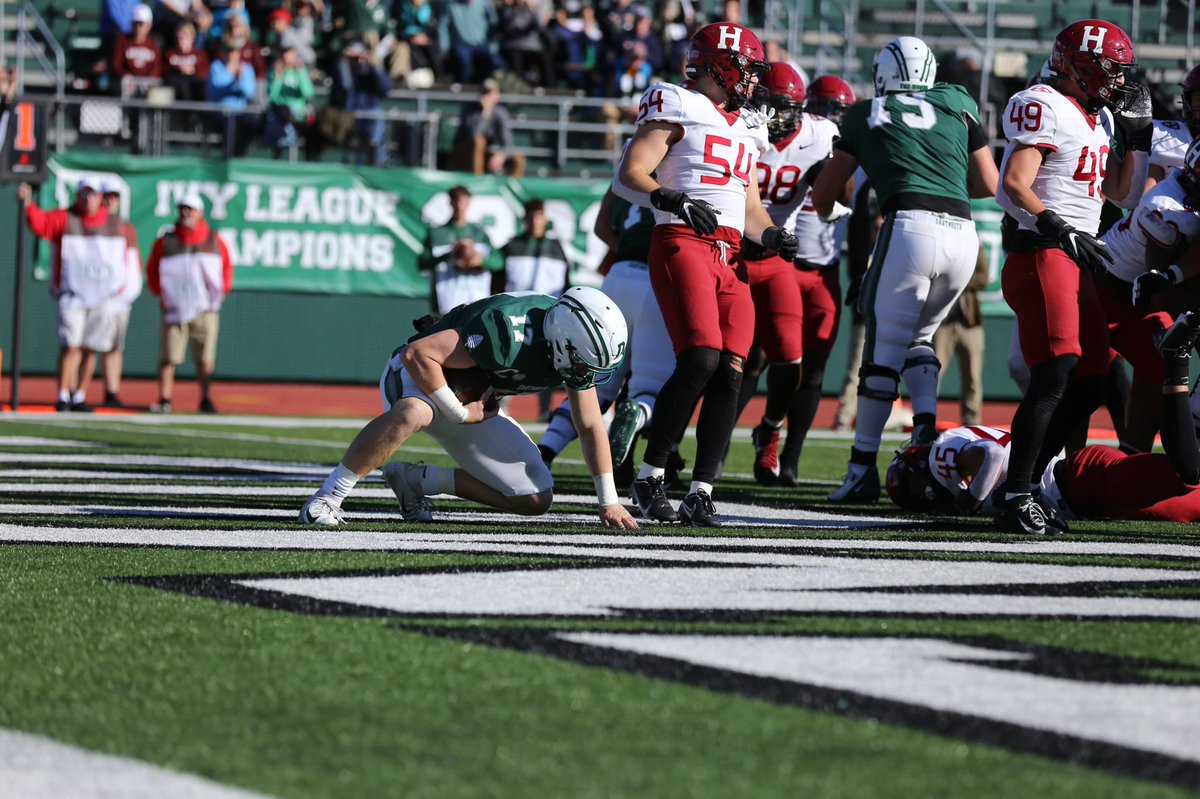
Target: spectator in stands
(237,37)
(359,84)
(417,57)
(170,15)
(459,257)
(231,83)
(222,12)
(287,34)
(524,42)
(371,22)
(8,90)
(116,19)
(185,67)
(483,142)
(112,363)
(88,274)
(190,270)
(633,76)
(136,60)
(467,31)
(579,40)
(289,91)
(640,42)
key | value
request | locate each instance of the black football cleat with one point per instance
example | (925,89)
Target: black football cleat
(1178,339)
(697,510)
(650,497)
(1022,515)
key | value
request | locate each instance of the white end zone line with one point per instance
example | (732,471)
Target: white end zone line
(33,767)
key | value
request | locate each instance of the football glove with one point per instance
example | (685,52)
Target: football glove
(1087,251)
(1134,118)
(781,241)
(755,117)
(836,213)
(1147,284)
(700,216)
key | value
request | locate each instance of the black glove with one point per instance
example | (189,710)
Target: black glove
(852,291)
(1147,284)
(781,241)
(700,216)
(1134,118)
(1087,251)
(966,504)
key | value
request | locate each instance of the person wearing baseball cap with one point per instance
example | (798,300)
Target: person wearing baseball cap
(88,275)
(190,271)
(112,362)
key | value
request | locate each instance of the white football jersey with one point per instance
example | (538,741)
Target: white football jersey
(944,454)
(1165,218)
(1075,145)
(1168,142)
(713,159)
(787,198)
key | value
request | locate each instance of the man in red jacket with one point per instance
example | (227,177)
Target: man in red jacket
(190,270)
(88,278)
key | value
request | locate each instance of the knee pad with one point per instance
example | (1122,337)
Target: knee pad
(921,355)
(878,382)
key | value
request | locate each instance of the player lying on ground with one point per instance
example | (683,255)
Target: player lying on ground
(962,471)
(445,381)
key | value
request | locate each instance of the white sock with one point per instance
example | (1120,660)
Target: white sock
(78,397)
(437,480)
(64,395)
(650,471)
(339,483)
(772,423)
(644,412)
(698,486)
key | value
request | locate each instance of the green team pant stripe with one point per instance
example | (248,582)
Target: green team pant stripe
(871,286)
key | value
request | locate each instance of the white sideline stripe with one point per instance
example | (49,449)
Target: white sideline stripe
(672,548)
(155,477)
(33,767)
(35,441)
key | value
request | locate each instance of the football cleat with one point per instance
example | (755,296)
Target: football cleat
(623,429)
(697,510)
(1022,515)
(789,470)
(1055,523)
(861,490)
(766,453)
(1178,339)
(405,481)
(323,511)
(650,497)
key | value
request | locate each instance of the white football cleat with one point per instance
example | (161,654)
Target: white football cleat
(322,510)
(405,481)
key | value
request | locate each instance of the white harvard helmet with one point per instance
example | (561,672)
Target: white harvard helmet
(587,335)
(905,64)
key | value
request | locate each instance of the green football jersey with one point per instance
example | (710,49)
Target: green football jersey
(914,142)
(503,334)
(634,226)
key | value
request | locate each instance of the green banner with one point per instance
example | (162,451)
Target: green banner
(328,228)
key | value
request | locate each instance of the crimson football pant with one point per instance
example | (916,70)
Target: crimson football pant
(703,292)
(1064,340)
(1105,483)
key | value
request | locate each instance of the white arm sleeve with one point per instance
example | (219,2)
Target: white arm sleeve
(995,461)
(633,195)
(1137,184)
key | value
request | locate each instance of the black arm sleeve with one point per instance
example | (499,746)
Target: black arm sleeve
(975,136)
(1179,437)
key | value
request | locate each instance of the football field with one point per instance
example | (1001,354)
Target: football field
(169,629)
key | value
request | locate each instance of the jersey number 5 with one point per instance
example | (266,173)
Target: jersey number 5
(921,118)
(736,167)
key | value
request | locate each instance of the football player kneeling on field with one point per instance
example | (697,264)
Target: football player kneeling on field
(445,381)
